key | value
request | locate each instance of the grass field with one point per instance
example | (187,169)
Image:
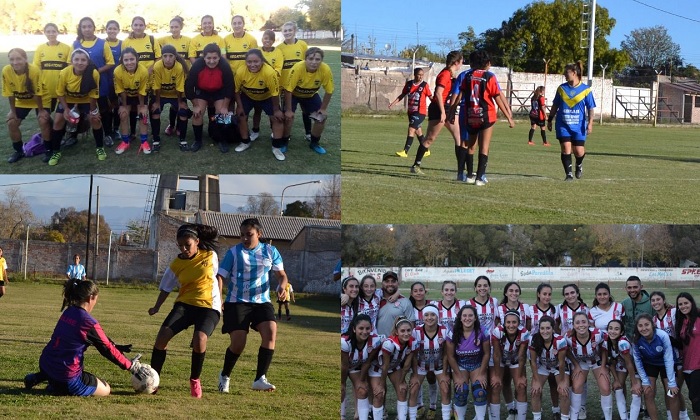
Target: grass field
(258,159)
(631,175)
(304,367)
(466,291)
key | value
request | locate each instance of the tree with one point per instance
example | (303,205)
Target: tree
(72,224)
(651,47)
(298,209)
(136,231)
(326,202)
(422,53)
(468,39)
(16,212)
(263,203)
(367,245)
(283,15)
(324,15)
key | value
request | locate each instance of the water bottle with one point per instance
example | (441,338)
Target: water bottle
(73,119)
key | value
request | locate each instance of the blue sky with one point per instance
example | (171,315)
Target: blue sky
(392,21)
(123,197)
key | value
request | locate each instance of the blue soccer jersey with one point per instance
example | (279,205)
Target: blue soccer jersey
(247,272)
(574,104)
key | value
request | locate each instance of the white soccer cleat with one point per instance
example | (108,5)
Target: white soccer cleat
(471,180)
(253,135)
(242,147)
(263,385)
(278,153)
(224,382)
(582,413)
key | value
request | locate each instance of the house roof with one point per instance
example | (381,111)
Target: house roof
(274,227)
(687,86)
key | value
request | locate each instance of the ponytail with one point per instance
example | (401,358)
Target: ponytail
(77,292)
(206,234)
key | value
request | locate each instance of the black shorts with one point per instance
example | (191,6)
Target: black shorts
(415,120)
(242,315)
(22,113)
(2,283)
(654,371)
(537,122)
(434,112)
(183,315)
(83,386)
(475,130)
(210,97)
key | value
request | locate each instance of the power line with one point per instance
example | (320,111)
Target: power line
(666,11)
(42,181)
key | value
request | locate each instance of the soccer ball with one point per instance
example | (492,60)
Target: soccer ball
(145,380)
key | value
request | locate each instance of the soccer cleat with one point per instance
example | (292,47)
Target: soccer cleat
(402,153)
(556,416)
(123,147)
(569,177)
(427,153)
(223,146)
(30,381)
(108,141)
(582,413)
(100,152)
(278,153)
(307,137)
(69,141)
(156,146)
(416,170)
(47,156)
(184,147)
(194,147)
(263,385)
(546,144)
(433,407)
(289,318)
(471,180)
(169,130)
(531,143)
(254,135)
(15,157)
(579,171)
(512,413)
(54,159)
(242,147)
(480,182)
(195,388)
(317,148)
(145,148)
(224,382)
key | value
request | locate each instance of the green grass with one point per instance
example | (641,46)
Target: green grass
(631,175)
(258,159)
(304,367)
(465,291)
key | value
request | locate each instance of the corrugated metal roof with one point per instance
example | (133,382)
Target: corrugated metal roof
(690,86)
(274,227)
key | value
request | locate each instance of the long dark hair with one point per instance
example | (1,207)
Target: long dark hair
(613,344)
(76,292)
(206,234)
(681,318)
(170,49)
(351,331)
(539,289)
(87,81)
(355,304)
(458,329)
(637,336)
(578,292)
(576,67)
(80,36)
(453,57)
(537,340)
(487,281)
(411,298)
(505,290)
(367,277)
(602,286)
(259,54)
(28,80)
(667,306)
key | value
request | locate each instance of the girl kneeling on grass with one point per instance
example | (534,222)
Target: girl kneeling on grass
(61,360)
(131,86)
(357,350)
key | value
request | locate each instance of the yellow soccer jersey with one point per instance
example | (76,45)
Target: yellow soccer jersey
(14,84)
(236,48)
(293,54)
(304,84)
(69,86)
(196,278)
(134,84)
(275,58)
(182,44)
(3,267)
(200,41)
(168,81)
(147,52)
(257,86)
(51,59)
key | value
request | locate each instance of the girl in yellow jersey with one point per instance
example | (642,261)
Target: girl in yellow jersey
(131,85)
(258,85)
(304,81)
(111,122)
(21,85)
(238,43)
(77,89)
(293,50)
(169,89)
(3,274)
(198,301)
(182,46)
(51,57)
(275,58)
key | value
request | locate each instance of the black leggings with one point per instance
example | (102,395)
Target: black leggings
(692,379)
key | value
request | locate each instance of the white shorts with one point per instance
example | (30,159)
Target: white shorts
(422,371)
(586,365)
(543,371)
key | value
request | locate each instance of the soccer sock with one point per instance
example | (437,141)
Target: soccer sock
(480,172)
(413,413)
(668,414)
(315,140)
(556,409)
(522,410)
(606,405)
(56,137)
(409,142)
(621,403)
(419,155)
(173,117)
(363,408)
(307,122)
(144,138)
(17,146)
(106,117)
(536,415)
(421,138)
(125,138)
(461,412)
(342,407)
(446,409)
(461,159)
(197,363)
(683,415)
(566,162)
(47,145)
(469,160)
(158,359)
(565,417)
(575,405)
(420,396)
(230,360)
(264,360)
(155,128)
(99,137)
(286,310)
(132,122)
(433,392)
(198,129)
(457,148)
(378,413)
(635,406)
(579,160)
(544,136)
(401,410)
(495,410)
(480,411)
(530,134)
(182,127)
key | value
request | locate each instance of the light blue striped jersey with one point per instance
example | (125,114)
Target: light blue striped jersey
(247,272)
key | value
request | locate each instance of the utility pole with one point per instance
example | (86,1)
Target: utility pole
(87,241)
(602,87)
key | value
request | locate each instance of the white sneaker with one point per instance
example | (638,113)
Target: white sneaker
(279,156)
(471,180)
(253,135)
(241,147)
(307,137)
(224,382)
(582,413)
(263,385)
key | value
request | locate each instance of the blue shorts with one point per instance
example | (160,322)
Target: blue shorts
(248,104)
(415,120)
(82,385)
(572,133)
(308,105)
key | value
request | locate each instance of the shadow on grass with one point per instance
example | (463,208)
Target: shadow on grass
(653,157)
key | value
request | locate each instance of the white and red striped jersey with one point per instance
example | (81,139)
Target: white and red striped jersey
(588,351)
(359,356)
(523,310)
(448,314)
(487,313)
(418,314)
(615,354)
(667,322)
(396,351)
(429,348)
(548,358)
(370,308)
(509,347)
(600,318)
(346,316)
(536,313)
(566,316)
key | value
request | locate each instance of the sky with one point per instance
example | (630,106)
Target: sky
(123,197)
(395,20)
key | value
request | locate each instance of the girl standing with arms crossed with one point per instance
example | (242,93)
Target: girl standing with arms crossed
(357,351)
(198,301)
(548,363)
(417,91)
(449,306)
(538,116)
(573,108)
(572,304)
